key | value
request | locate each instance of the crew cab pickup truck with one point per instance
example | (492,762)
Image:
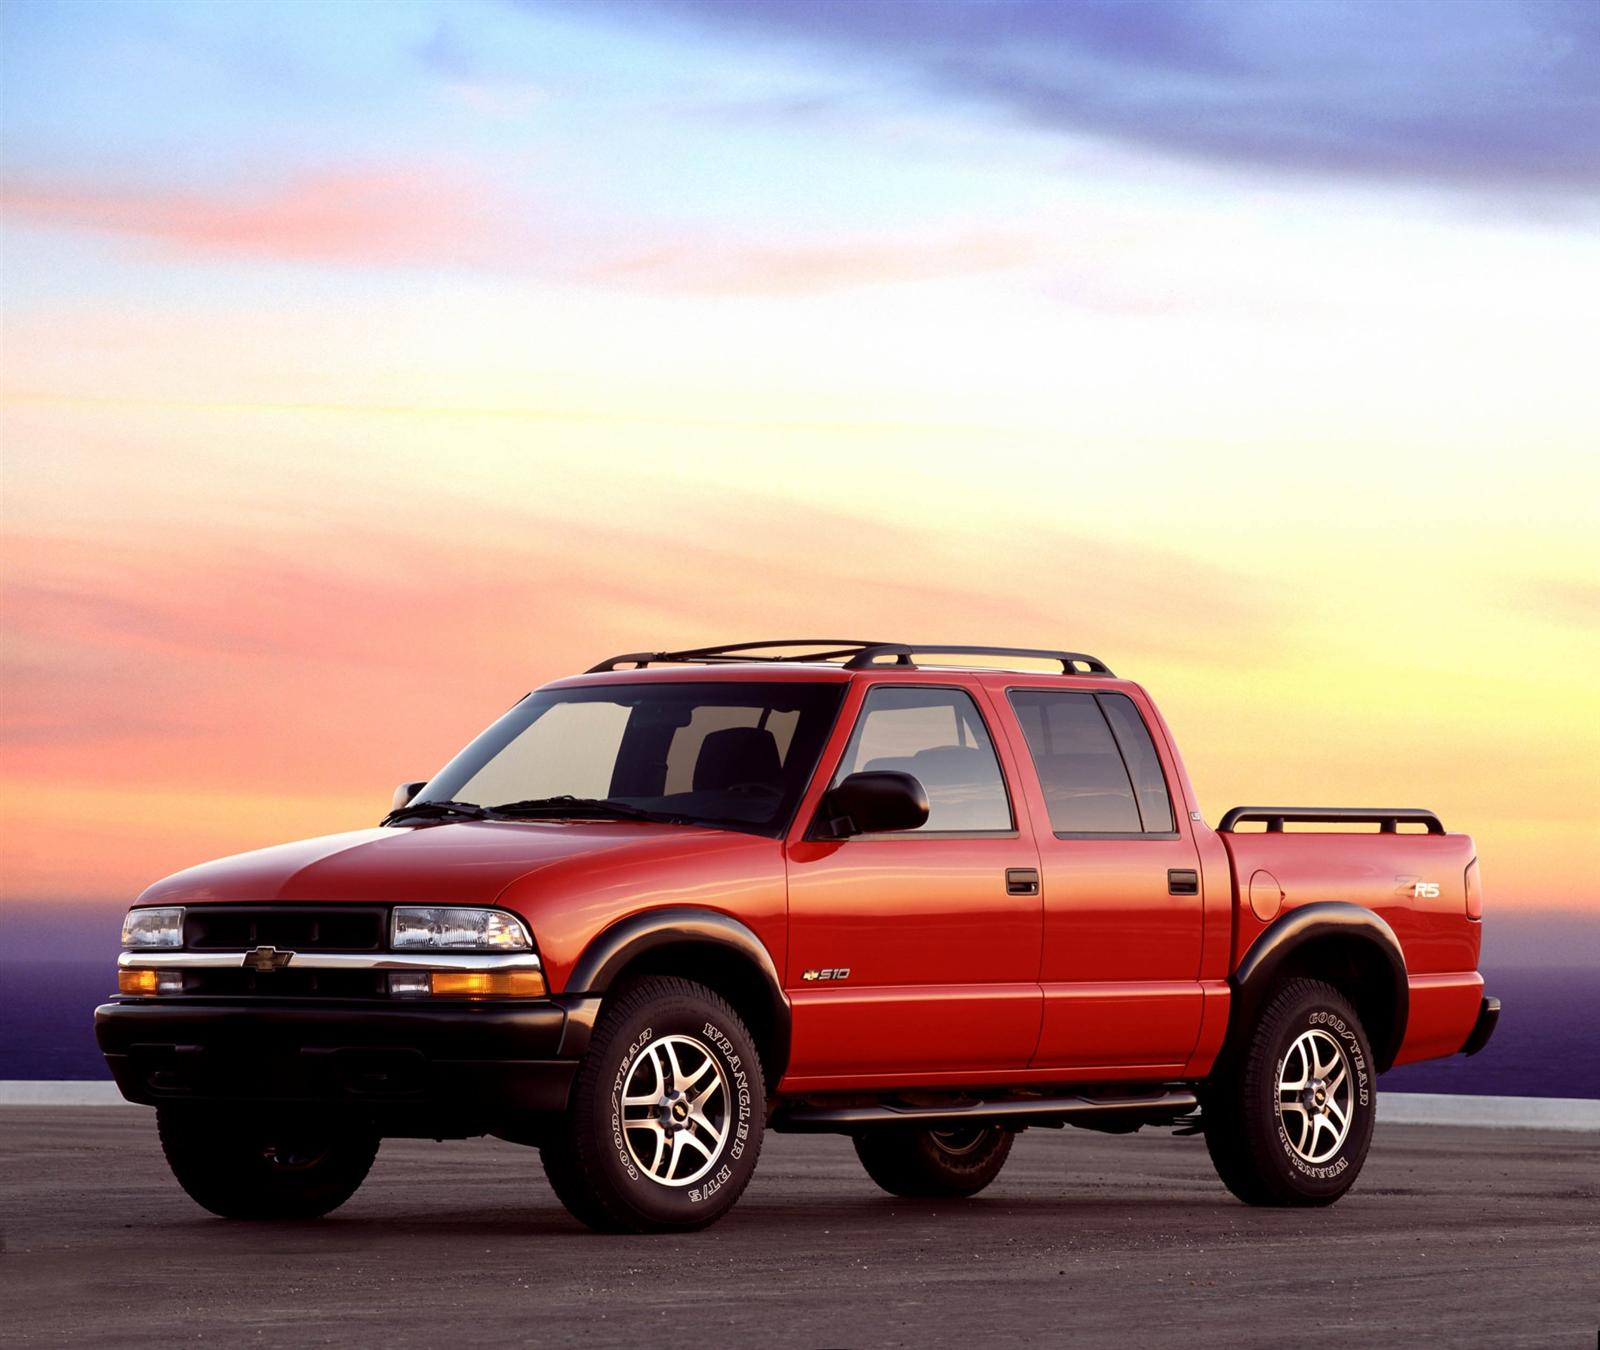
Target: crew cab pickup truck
(662,907)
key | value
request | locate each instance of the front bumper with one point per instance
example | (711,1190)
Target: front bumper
(1483,1028)
(444,1068)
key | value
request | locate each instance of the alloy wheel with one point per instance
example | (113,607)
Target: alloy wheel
(675,1110)
(1316,1096)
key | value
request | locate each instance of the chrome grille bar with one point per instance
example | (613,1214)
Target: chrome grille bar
(156,959)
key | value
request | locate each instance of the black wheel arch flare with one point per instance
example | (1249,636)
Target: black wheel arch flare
(644,940)
(1327,927)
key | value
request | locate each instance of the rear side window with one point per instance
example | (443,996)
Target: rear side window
(937,736)
(1096,762)
(1139,754)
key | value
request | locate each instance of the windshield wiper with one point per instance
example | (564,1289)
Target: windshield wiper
(436,811)
(568,805)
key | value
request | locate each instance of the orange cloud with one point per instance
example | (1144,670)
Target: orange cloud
(173,694)
(176,697)
(380,215)
(179,622)
(1575,602)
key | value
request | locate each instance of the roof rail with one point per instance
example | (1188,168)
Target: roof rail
(903,652)
(834,649)
(854,654)
(1387,820)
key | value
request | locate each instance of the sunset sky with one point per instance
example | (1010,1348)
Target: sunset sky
(367,365)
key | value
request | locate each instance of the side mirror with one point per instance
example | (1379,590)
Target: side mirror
(874,803)
(404,793)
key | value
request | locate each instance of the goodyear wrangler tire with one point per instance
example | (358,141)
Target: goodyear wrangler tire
(666,1114)
(1290,1120)
(924,1164)
(242,1166)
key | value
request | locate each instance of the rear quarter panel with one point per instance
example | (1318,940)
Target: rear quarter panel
(1277,872)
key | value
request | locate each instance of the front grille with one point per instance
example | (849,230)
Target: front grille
(296,928)
(287,983)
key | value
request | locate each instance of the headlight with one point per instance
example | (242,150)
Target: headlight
(458,930)
(153,928)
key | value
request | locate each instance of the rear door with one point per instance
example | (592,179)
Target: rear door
(1123,916)
(912,955)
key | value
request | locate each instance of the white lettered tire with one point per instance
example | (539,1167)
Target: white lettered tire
(1288,1120)
(666,1116)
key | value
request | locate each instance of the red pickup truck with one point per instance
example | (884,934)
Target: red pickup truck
(660,908)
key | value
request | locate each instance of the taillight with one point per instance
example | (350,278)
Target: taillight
(1474,891)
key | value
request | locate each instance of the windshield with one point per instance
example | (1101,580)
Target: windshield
(724,753)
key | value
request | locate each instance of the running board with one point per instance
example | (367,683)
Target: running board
(807,1119)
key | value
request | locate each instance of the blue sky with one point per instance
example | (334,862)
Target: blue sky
(1480,95)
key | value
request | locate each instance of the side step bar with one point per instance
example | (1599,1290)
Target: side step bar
(808,1119)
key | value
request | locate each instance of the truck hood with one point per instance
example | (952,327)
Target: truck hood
(459,862)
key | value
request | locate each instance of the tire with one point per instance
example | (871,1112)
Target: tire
(1273,1139)
(689,1145)
(248,1167)
(922,1164)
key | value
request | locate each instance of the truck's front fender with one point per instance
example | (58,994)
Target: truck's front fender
(698,944)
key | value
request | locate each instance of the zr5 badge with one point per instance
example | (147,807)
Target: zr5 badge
(1416,889)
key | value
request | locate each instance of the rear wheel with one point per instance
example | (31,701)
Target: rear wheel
(1289,1121)
(246,1167)
(923,1163)
(666,1115)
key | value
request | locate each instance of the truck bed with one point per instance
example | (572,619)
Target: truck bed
(1415,881)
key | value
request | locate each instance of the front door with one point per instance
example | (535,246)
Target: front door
(913,954)
(1122,903)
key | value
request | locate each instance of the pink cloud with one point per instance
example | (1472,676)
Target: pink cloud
(395,215)
(805,266)
(376,215)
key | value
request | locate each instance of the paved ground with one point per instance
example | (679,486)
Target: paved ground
(1454,1236)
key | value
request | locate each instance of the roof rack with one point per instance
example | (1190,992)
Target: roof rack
(854,655)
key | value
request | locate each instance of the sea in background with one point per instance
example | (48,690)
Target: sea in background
(1546,1044)
(54,969)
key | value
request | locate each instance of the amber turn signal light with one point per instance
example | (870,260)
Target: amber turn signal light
(488,984)
(471,984)
(138,981)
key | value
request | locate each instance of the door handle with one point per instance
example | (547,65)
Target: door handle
(1183,881)
(1022,881)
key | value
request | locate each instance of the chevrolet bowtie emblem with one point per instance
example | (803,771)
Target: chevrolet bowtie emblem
(267,958)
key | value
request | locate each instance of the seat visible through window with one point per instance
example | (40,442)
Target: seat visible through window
(937,736)
(738,756)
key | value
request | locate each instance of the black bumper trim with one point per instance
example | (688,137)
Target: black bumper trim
(1483,1028)
(457,1067)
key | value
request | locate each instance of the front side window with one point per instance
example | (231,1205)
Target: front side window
(719,753)
(937,736)
(1096,762)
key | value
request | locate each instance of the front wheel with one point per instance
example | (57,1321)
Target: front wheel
(666,1115)
(274,1167)
(925,1164)
(1290,1121)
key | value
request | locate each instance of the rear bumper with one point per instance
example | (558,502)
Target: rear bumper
(455,1068)
(1483,1028)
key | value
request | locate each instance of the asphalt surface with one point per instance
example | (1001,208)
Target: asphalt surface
(1452,1236)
